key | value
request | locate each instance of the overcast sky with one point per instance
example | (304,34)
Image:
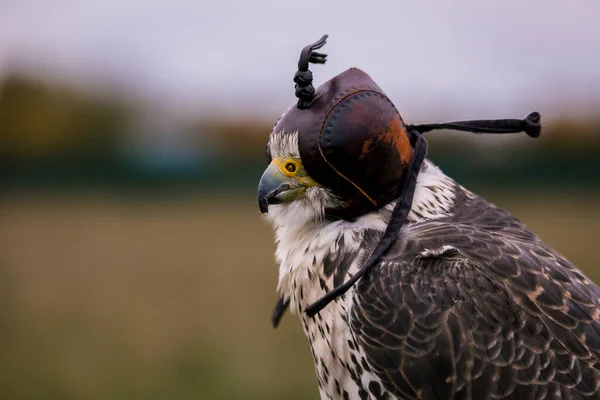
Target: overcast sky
(461,57)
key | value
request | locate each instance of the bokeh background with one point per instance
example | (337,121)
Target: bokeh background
(133,260)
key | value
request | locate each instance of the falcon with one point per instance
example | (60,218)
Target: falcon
(408,285)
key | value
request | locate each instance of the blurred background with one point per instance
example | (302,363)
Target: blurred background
(133,260)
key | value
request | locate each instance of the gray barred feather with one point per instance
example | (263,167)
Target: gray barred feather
(500,315)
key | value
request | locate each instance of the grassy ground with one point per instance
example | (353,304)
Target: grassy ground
(109,298)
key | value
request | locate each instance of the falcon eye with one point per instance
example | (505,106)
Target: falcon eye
(290,167)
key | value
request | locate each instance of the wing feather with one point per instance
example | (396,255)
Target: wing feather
(478,311)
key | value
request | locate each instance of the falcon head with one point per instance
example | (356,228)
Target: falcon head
(342,157)
(286,191)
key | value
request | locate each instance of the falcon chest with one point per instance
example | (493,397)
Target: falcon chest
(314,259)
(342,370)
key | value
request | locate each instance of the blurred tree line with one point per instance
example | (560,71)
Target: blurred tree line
(40,120)
(52,133)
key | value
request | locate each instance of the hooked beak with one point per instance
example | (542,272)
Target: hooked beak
(276,188)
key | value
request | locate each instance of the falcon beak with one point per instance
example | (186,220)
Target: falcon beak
(277,188)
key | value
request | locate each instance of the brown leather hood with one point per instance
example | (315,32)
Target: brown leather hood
(353,141)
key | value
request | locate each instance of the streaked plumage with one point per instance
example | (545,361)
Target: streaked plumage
(467,304)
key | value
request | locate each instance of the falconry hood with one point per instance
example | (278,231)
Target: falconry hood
(353,141)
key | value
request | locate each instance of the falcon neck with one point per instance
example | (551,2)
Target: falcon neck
(319,256)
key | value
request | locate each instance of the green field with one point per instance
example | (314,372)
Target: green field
(106,297)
